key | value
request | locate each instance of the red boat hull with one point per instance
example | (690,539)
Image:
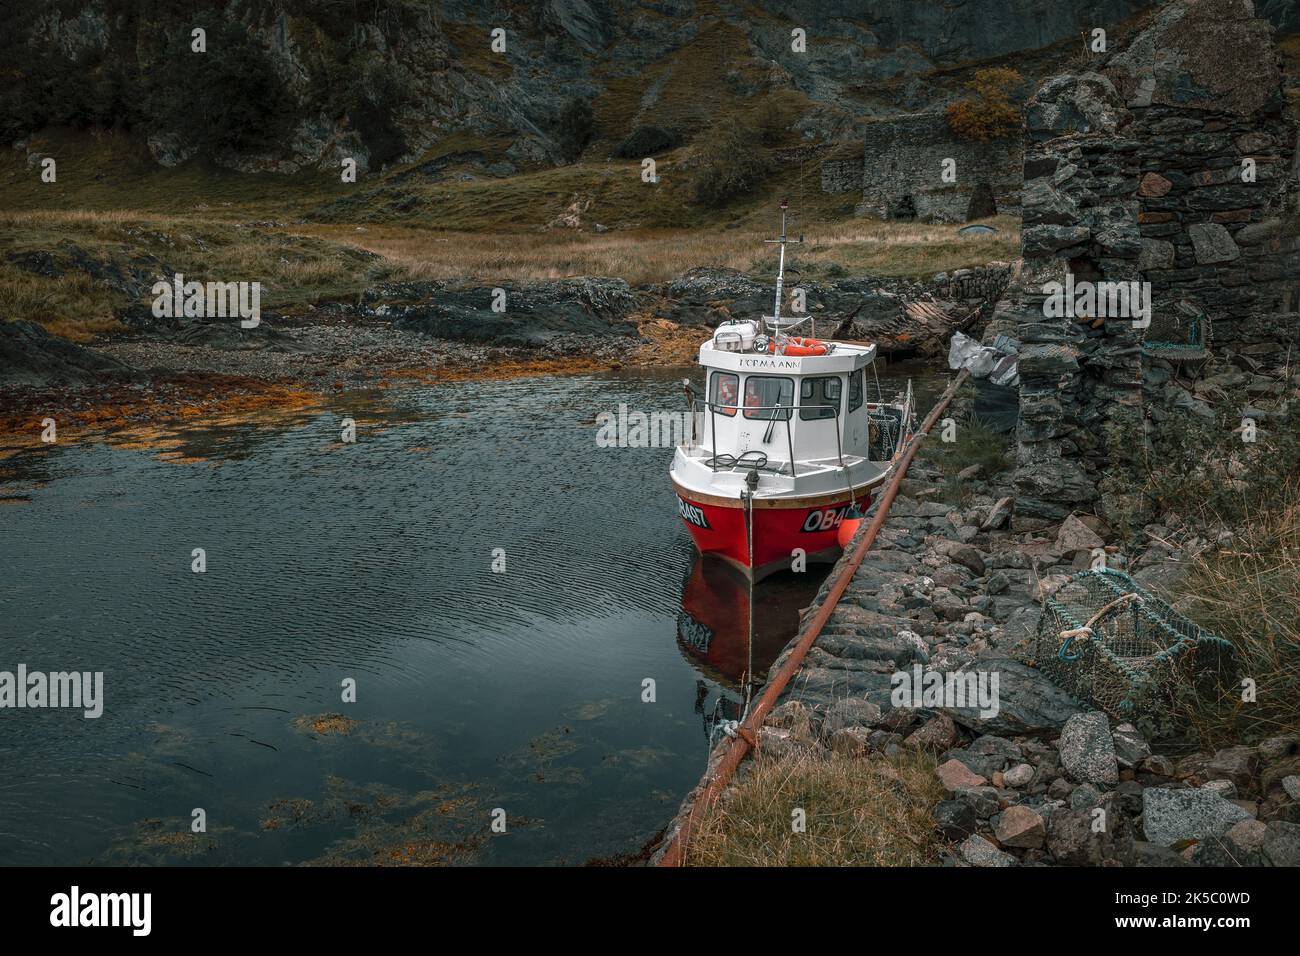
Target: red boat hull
(782,530)
(713,629)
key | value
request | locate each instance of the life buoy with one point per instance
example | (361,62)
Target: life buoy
(797,346)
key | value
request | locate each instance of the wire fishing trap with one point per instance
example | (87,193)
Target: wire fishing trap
(1109,642)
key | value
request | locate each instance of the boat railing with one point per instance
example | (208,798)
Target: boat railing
(891,422)
(781,324)
(789,410)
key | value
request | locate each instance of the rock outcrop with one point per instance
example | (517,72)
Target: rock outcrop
(525,316)
(433,64)
(30,356)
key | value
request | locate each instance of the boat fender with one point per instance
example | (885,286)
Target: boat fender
(853,519)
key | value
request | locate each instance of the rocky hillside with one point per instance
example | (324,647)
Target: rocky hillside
(288,84)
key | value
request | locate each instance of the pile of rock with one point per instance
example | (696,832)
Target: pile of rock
(1045,780)
(1098,796)
(30,356)
(522,316)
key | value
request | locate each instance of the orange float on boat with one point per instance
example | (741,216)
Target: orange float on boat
(793,345)
(848,527)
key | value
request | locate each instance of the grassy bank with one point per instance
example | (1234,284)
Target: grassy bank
(641,256)
(303,263)
(1242,498)
(94,256)
(974,445)
(1248,590)
(858,812)
(448,214)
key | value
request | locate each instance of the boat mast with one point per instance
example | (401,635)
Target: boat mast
(775,317)
(780,270)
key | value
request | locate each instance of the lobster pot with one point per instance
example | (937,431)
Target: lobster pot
(1111,643)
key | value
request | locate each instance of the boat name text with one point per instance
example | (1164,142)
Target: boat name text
(767,363)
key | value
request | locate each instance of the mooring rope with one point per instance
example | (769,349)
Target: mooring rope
(751,482)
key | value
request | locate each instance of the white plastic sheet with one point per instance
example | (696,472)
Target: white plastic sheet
(982,360)
(965,352)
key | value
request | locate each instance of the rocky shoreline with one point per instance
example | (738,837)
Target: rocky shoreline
(435,330)
(1046,780)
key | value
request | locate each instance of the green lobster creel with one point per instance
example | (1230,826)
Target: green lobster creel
(1109,642)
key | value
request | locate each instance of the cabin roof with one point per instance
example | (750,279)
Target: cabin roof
(845,357)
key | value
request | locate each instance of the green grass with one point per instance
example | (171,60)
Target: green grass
(1202,477)
(974,445)
(912,250)
(295,270)
(104,171)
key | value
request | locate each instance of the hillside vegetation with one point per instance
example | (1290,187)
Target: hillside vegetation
(311,238)
(473,165)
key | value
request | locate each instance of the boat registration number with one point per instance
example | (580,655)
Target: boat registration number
(692,513)
(824,519)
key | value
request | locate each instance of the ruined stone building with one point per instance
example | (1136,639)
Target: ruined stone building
(903,162)
(1173,163)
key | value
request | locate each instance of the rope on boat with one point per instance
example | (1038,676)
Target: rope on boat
(746,735)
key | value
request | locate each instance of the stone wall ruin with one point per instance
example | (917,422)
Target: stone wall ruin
(902,165)
(1133,172)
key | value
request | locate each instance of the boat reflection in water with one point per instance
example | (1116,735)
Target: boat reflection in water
(713,630)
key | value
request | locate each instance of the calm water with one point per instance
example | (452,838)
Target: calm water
(476,691)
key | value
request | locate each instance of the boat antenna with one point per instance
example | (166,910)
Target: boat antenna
(775,317)
(780,271)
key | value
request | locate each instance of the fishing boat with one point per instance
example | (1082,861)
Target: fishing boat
(787,448)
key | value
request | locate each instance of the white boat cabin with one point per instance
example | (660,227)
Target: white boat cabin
(804,420)
(794,410)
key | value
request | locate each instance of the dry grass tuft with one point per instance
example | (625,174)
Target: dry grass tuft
(643,256)
(859,812)
(1248,591)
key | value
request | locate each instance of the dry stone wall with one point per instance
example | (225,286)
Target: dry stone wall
(1160,167)
(903,165)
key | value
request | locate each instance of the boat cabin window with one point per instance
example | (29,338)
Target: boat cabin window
(724,389)
(820,391)
(857,385)
(768,390)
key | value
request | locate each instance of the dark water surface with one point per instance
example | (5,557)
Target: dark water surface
(476,691)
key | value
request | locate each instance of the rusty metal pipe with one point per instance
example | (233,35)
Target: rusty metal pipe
(738,747)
